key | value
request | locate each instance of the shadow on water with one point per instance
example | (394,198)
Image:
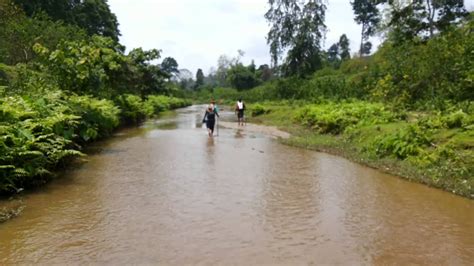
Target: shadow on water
(239,134)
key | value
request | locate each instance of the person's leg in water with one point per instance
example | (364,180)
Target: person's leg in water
(241,117)
(210,128)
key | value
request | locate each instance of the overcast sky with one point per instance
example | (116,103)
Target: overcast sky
(197,32)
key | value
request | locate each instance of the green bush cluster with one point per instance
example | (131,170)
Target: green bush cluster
(259,109)
(159,103)
(440,143)
(35,135)
(418,135)
(132,108)
(403,143)
(335,118)
(458,119)
(449,163)
(447,120)
(98,117)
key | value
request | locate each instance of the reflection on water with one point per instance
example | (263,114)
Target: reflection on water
(239,134)
(166,193)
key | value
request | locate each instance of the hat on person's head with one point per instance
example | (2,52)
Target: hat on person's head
(212,100)
(240,98)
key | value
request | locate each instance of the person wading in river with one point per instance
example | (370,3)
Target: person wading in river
(239,109)
(210,119)
(216,110)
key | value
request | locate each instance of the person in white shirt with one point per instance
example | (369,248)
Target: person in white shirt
(239,109)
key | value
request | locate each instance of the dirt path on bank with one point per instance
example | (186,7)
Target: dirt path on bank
(266,130)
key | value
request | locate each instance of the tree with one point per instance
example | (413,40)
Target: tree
(264,72)
(406,21)
(184,74)
(252,66)
(446,12)
(184,78)
(18,33)
(143,76)
(338,52)
(366,48)
(92,15)
(333,55)
(170,66)
(223,65)
(344,49)
(83,67)
(367,14)
(299,27)
(199,79)
(56,9)
(95,16)
(241,77)
(423,18)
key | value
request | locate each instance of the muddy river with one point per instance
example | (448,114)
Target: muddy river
(165,193)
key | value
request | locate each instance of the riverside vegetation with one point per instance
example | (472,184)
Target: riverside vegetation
(64,84)
(407,109)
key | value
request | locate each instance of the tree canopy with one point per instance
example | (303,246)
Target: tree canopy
(299,27)
(422,19)
(94,16)
(367,14)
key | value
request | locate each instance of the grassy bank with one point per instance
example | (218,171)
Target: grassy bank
(436,149)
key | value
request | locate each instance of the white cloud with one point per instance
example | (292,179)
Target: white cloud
(197,32)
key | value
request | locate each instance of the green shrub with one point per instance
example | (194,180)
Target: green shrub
(160,103)
(259,109)
(98,117)
(36,134)
(334,118)
(403,143)
(457,119)
(133,109)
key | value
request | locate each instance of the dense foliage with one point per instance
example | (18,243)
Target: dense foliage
(65,81)
(335,118)
(38,133)
(92,15)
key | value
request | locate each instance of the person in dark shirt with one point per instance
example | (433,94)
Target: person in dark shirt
(210,119)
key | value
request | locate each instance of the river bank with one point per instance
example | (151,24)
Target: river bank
(399,144)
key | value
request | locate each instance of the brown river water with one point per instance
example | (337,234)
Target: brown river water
(165,193)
